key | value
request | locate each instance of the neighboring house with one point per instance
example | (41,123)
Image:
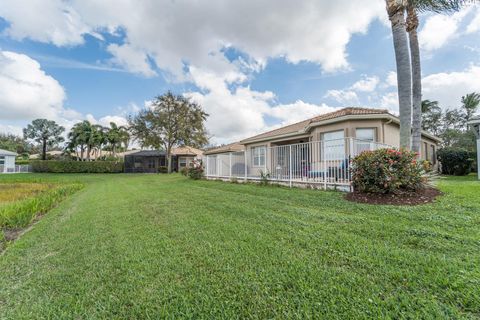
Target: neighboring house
(7,161)
(53,154)
(151,161)
(315,147)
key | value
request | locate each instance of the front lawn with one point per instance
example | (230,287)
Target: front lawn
(155,246)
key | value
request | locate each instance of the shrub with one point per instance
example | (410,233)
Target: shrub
(184,171)
(195,173)
(264,178)
(162,169)
(386,171)
(22,162)
(53,166)
(455,161)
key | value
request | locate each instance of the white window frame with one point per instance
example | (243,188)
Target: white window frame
(2,160)
(259,156)
(334,144)
(182,160)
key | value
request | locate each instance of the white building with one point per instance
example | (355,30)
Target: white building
(7,161)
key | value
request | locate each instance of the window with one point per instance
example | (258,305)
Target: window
(334,144)
(425,148)
(365,134)
(433,156)
(2,160)
(182,162)
(258,156)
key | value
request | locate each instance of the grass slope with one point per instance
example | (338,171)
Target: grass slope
(150,246)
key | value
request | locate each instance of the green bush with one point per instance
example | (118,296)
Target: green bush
(456,161)
(386,171)
(162,169)
(21,162)
(184,171)
(195,173)
(53,166)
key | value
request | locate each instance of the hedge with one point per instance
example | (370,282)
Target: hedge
(54,166)
(456,161)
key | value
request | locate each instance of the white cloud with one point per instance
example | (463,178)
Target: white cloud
(440,29)
(347,97)
(26,91)
(133,59)
(52,21)
(474,25)
(368,84)
(173,33)
(389,101)
(391,80)
(449,87)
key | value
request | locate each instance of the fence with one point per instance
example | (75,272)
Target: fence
(24,168)
(322,163)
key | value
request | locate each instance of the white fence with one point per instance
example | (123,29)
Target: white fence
(324,163)
(24,168)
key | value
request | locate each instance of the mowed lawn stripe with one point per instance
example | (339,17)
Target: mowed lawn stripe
(130,246)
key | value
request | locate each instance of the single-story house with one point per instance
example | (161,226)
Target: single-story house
(7,161)
(315,146)
(151,161)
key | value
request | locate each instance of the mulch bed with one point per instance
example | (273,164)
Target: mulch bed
(423,196)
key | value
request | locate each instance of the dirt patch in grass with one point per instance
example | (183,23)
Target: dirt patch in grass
(426,195)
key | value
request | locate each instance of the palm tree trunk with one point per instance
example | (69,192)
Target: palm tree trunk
(404,74)
(169,159)
(412,26)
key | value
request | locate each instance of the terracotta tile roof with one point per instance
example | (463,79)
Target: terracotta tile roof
(232,147)
(302,125)
(348,112)
(186,150)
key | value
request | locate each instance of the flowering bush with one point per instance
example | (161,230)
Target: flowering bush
(195,171)
(386,171)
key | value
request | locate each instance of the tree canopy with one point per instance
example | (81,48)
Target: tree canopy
(172,120)
(45,132)
(451,124)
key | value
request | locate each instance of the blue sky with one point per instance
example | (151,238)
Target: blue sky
(252,69)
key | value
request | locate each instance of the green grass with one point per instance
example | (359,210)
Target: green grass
(158,246)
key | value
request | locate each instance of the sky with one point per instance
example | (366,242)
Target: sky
(253,65)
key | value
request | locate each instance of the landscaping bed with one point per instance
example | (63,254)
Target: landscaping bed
(407,198)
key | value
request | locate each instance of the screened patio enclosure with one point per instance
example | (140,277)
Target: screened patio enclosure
(324,163)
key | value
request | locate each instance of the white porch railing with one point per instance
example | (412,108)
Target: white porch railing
(324,163)
(24,168)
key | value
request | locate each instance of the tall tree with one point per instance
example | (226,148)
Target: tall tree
(396,14)
(413,6)
(45,132)
(14,143)
(116,135)
(78,138)
(470,104)
(173,120)
(431,117)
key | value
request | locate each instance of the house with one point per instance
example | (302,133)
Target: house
(7,161)
(316,149)
(152,161)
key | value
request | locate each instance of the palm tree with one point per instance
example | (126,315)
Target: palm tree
(396,14)
(470,104)
(414,6)
(116,135)
(77,138)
